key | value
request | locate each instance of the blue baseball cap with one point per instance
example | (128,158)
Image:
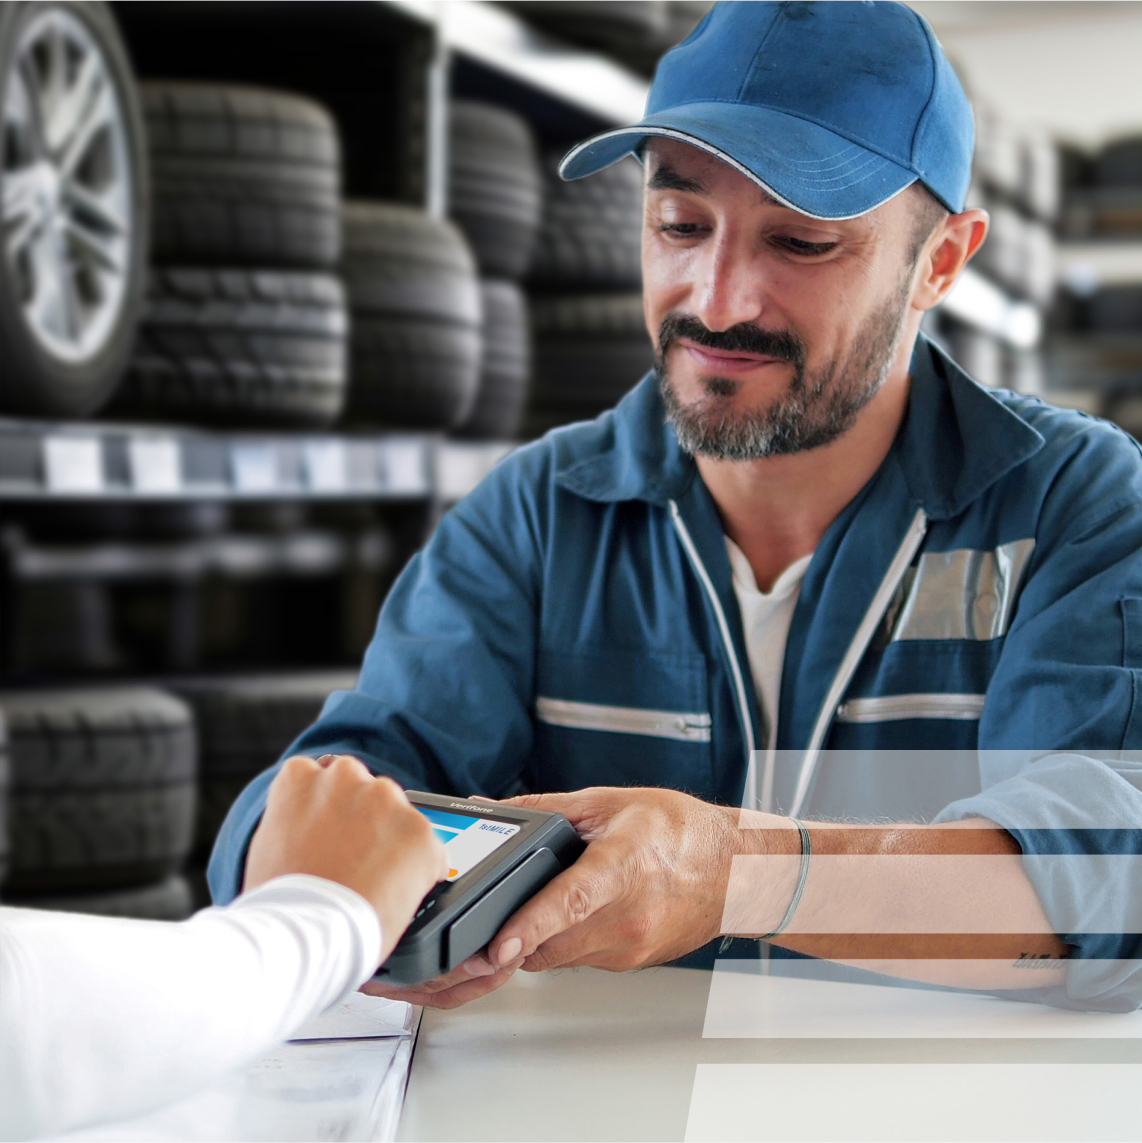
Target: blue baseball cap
(831,107)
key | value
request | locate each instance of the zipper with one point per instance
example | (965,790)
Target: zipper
(727,641)
(684,727)
(856,649)
(885,708)
(763,950)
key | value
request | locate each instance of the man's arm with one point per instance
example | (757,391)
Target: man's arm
(945,904)
(454,642)
(1062,724)
(664,873)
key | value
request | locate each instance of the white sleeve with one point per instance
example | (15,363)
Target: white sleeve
(105,1017)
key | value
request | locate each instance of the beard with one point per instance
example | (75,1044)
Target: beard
(816,409)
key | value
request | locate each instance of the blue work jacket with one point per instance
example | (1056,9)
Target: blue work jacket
(967,642)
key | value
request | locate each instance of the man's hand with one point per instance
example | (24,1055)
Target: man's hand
(650,887)
(333,819)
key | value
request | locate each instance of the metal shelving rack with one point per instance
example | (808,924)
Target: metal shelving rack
(44,460)
(492,37)
(1102,365)
(68,460)
(368,61)
(90,460)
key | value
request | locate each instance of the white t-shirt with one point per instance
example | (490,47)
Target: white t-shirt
(102,1018)
(766,616)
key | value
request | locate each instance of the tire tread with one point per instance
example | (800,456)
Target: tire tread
(242,176)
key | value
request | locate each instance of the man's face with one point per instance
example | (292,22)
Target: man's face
(773,330)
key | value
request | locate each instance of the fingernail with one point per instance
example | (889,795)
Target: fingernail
(509,951)
(477,966)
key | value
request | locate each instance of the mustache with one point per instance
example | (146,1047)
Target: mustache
(745,337)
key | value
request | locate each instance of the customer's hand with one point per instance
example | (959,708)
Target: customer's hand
(650,887)
(333,819)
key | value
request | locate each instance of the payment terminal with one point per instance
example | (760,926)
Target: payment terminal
(500,857)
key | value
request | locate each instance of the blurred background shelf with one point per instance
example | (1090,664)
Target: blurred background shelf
(1109,261)
(983,305)
(67,460)
(360,283)
(495,37)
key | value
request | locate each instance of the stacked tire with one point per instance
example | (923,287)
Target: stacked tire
(505,363)
(245,320)
(245,724)
(1105,202)
(589,335)
(634,32)
(4,772)
(415,298)
(1103,198)
(1016,178)
(1019,253)
(495,197)
(101,800)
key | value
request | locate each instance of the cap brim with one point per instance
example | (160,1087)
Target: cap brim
(802,165)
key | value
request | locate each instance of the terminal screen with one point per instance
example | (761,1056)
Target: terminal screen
(467,839)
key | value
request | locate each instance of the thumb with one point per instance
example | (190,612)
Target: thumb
(590,884)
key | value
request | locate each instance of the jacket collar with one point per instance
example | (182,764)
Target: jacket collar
(957,440)
(629,453)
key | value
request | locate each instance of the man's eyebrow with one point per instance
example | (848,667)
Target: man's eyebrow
(665,177)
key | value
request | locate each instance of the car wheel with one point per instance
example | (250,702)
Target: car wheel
(73,208)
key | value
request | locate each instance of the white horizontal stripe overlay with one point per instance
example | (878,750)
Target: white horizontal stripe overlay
(887,708)
(680,725)
(915,1101)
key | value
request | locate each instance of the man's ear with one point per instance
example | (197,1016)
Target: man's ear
(948,250)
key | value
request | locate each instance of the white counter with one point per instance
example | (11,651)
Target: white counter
(585,1055)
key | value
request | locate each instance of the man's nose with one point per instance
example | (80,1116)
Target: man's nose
(730,288)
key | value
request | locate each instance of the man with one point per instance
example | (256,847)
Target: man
(807,543)
(107,1017)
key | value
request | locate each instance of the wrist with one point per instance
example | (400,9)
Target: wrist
(292,891)
(765,874)
(764,835)
(804,857)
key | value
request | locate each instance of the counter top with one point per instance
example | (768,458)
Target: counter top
(581,1054)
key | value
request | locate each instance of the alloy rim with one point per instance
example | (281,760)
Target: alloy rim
(66,199)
